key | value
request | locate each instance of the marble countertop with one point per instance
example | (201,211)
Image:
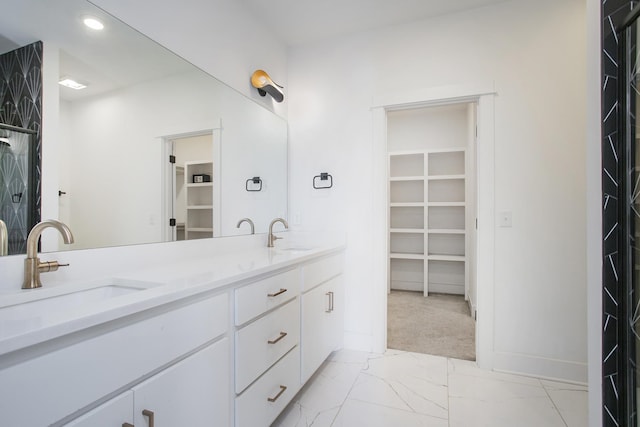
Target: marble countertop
(159,284)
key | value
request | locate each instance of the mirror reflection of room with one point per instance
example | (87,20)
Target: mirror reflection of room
(99,149)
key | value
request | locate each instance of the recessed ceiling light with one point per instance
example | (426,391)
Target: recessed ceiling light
(67,82)
(93,23)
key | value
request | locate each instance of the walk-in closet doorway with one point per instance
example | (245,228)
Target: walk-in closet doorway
(431,198)
(431,193)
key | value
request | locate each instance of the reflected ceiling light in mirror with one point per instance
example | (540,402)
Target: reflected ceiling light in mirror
(70,83)
(93,23)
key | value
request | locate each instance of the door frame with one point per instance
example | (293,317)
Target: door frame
(483,95)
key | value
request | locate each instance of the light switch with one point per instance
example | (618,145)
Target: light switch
(504,219)
(297,218)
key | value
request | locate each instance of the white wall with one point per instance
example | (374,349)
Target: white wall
(222,37)
(540,270)
(427,128)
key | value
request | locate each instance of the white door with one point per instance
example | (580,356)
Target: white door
(321,325)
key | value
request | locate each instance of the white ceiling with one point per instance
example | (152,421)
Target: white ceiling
(298,22)
(294,22)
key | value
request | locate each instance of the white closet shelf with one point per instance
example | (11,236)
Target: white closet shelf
(406,256)
(407,230)
(200,207)
(406,178)
(446,204)
(200,184)
(446,258)
(443,177)
(407,205)
(445,231)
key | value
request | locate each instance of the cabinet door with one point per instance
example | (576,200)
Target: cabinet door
(193,392)
(321,325)
(115,412)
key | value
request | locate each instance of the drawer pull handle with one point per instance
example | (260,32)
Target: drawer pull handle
(150,414)
(282,390)
(282,335)
(280,292)
(127,425)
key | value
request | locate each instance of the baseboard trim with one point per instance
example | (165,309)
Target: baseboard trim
(541,367)
(404,285)
(440,288)
(472,309)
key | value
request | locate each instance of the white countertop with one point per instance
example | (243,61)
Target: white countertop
(166,282)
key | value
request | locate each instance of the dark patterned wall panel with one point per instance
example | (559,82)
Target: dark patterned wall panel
(613,12)
(21,106)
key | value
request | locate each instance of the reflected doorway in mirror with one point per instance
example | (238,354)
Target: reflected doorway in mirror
(192,201)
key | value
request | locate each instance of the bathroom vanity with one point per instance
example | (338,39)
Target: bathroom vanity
(214,341)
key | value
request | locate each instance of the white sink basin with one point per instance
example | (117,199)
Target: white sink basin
(31,309)
(63,302)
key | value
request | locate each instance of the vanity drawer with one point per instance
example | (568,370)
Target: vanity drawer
(267,397)
(261,343)
(259,297)
(320,271)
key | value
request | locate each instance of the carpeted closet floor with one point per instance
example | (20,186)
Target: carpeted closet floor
(440,324)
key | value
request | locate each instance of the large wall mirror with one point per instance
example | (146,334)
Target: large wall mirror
(106,150)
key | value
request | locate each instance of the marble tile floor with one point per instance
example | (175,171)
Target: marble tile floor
(403,389)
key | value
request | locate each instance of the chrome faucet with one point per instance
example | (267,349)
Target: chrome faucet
(4,239)
(272,238)
(253,229)
(32,265)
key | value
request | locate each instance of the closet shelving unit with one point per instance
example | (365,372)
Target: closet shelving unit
(199,219)
(427,211)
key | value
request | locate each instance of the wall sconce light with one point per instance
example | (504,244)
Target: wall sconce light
(261,81)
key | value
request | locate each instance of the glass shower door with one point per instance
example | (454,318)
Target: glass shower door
(16,185)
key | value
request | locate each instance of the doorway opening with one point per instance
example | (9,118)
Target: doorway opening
(431,274)
(191,186)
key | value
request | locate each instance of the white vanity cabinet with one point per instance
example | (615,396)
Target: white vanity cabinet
(194,391)
(231,355)
(322,312)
